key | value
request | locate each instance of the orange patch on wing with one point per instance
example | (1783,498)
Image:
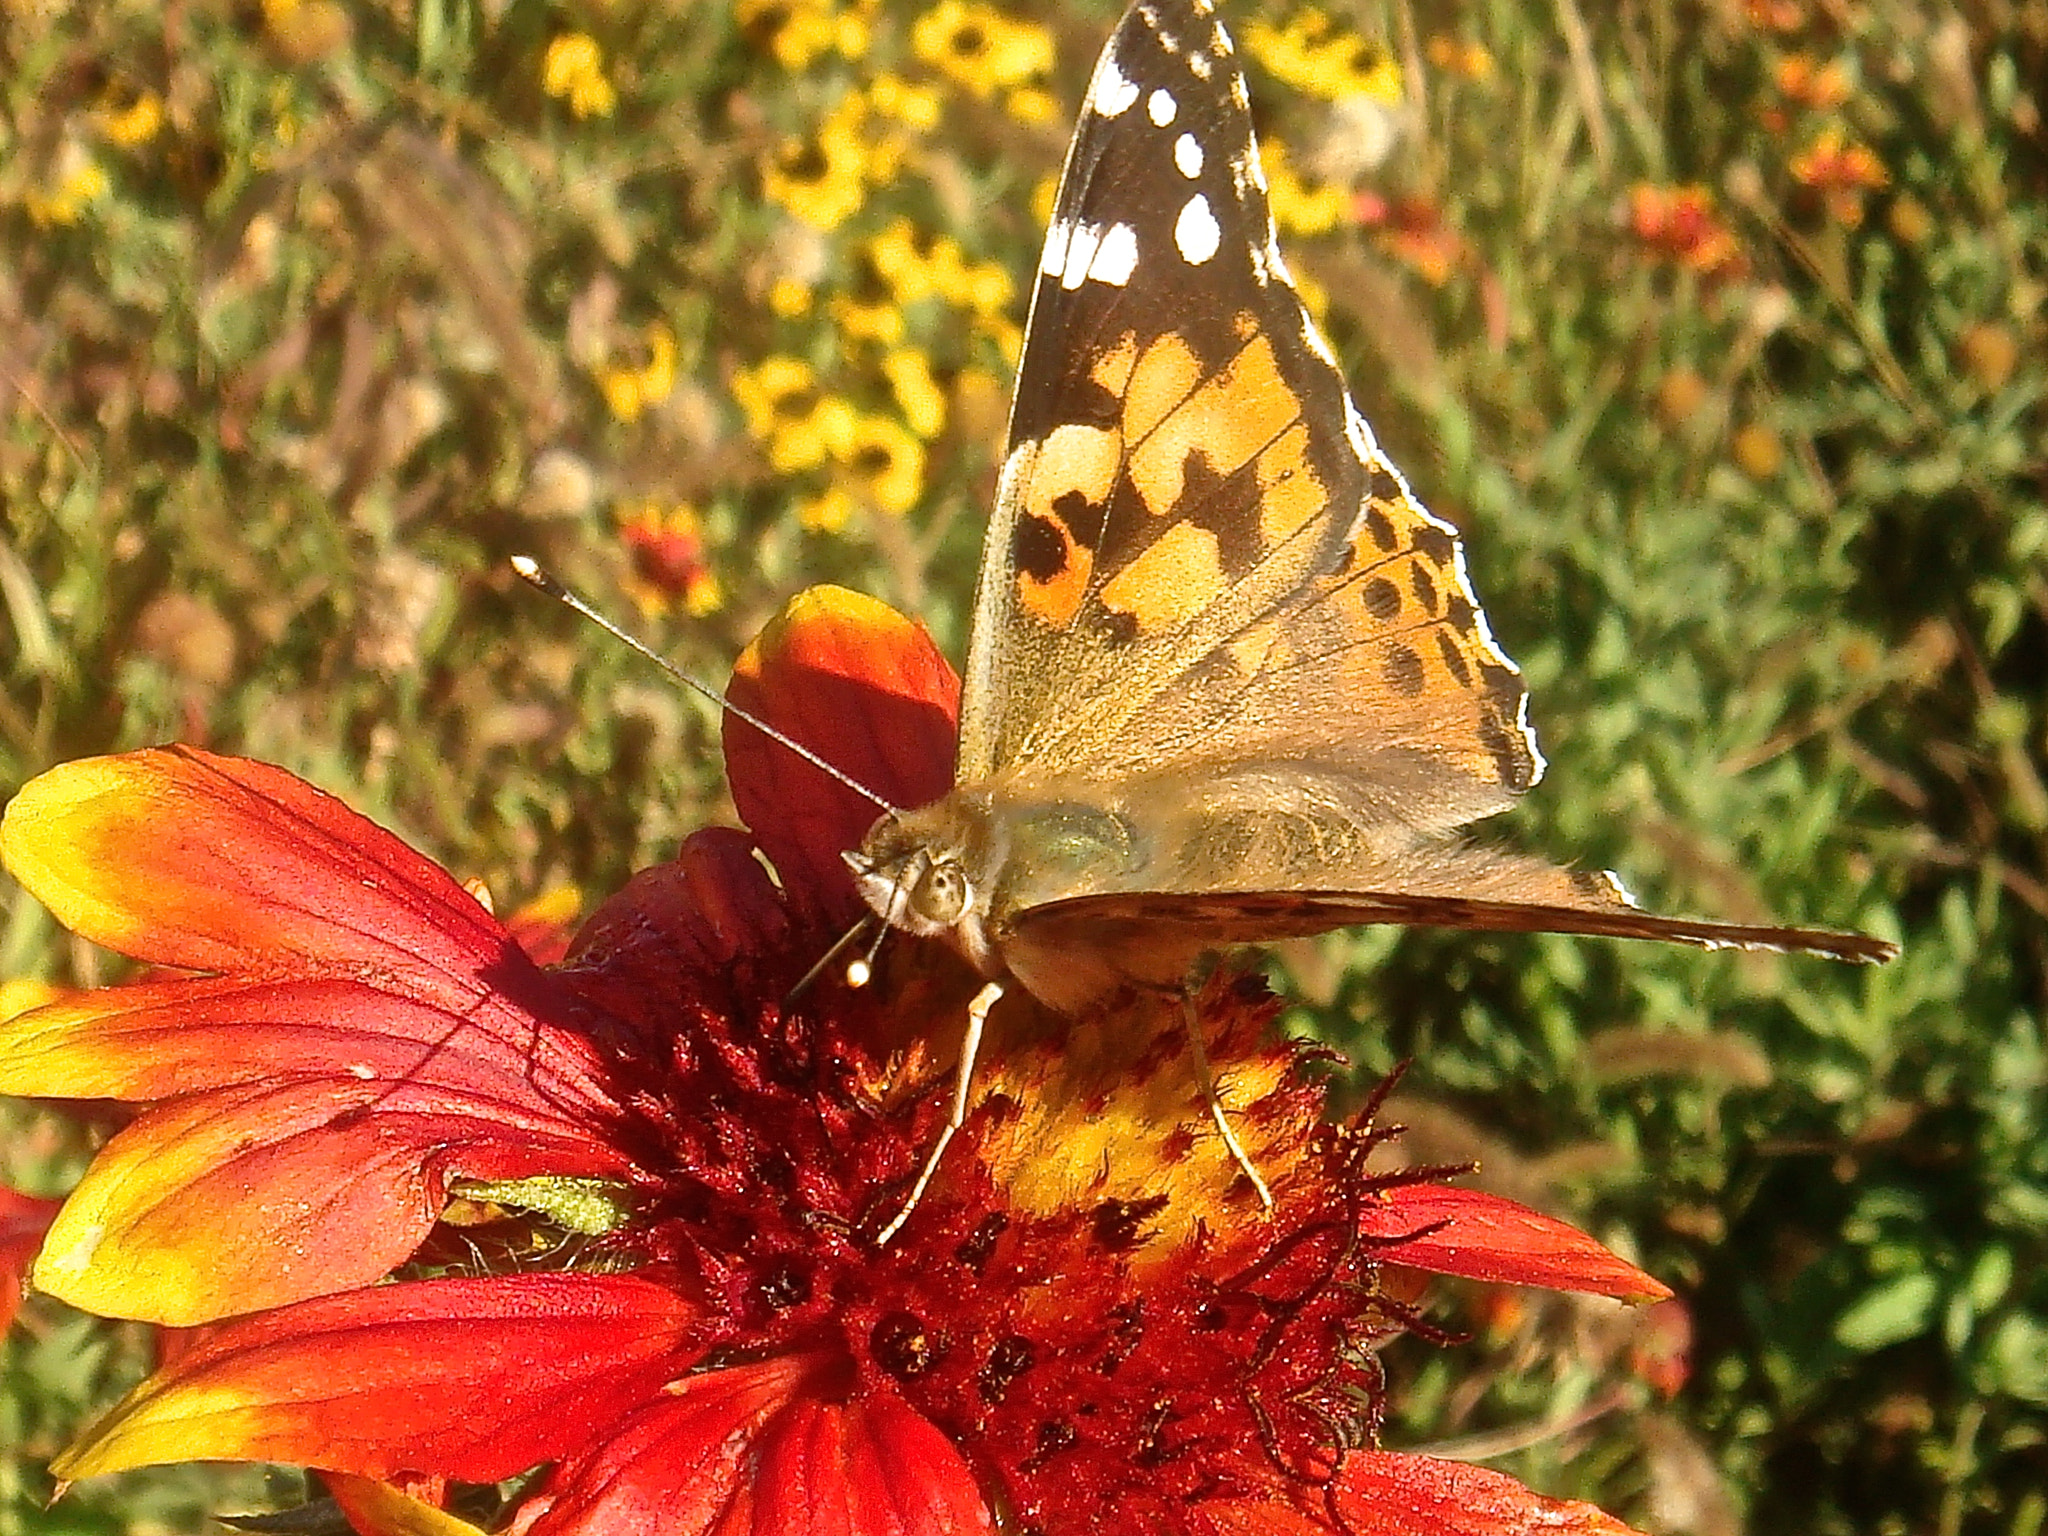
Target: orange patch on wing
(1112,370)
(1054,600)
(1235,414)
(1170,581)
(1160,382)
(1290,494)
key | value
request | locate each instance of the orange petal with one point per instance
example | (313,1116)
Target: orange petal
(182,858)
(470,1379)
(253,1196)
(865,689)
(1468,1232)
(771,1446)
(1380,1493)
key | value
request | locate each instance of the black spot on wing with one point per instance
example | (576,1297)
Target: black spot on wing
(1382,598)
(1404,671)
(1037,548)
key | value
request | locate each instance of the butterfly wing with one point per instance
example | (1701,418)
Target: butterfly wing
(1521,898)
(1200,556)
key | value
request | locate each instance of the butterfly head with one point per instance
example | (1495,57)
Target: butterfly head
(929,873)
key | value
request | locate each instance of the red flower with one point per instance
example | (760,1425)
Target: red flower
(1683,224)
(626,1207)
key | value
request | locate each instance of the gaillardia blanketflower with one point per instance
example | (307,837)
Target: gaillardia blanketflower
(445,1214)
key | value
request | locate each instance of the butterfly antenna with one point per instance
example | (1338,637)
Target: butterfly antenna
(861,970)
(535,576)
(818,968)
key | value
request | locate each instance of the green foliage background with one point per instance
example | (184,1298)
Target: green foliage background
(284,381)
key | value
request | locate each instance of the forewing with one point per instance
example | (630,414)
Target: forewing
(1199,554)
(1142,922)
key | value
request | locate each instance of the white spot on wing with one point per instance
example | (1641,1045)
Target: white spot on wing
(1196,231)
(1201,66)
(1163,108)
(1080,251)
(1052,261)
(1116,258)
(1110,94)
(1187,154)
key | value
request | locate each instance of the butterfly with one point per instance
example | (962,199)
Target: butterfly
(1228,681)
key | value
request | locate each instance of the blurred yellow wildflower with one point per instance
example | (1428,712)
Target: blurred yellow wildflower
(135,124)
(790,297)
(78,184)
(823,181)
(574,68)
(1042,197)
(630,391)
(868,319)
(799,32)
(917,393)
(1300,207)
(981,47)
(1032,106)
(915,106)
(827,512)
(776,390)
(667,548)
(1319,58)
(885,463)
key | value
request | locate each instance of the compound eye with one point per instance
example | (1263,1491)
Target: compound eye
(941,895)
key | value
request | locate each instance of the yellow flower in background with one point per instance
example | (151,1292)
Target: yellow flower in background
(800,32)
(885,462)
(775,390)
(864,319)
(823,181)
(790,298)
(980,47)
(828,512)
(901,254)
(1319,58)
(1032,106)
(917,393)
(1300,207)
(78,184)
(630,391)
(915,106)
(134,125)
(574,68)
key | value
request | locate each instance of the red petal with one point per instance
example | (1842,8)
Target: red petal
(764,1450)
(182,858)
(865,689)
(23,1221)
(470,1379)
(255,1196)
(1484,1237)
(681,921)
(1379,1493)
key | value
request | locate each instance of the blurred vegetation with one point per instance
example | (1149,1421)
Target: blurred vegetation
(1722,329)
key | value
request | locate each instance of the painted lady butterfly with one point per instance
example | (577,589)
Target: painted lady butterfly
(1228,679)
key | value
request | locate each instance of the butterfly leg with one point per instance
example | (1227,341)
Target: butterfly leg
(1201,1054)
(970,1047)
